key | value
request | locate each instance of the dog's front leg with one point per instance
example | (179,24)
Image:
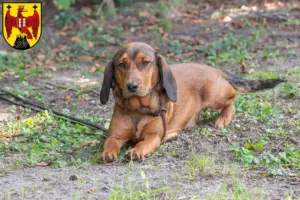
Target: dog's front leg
(145,147)
(119,132)
(152,135)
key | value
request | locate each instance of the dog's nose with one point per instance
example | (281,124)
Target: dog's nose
(132,86)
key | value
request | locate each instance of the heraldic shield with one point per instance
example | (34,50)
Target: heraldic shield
(22,27)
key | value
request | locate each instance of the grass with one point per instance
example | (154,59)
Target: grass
(229,49)
(46,139)
(272,161)
(272,111)
(131,189)
(237,190)
(206,165)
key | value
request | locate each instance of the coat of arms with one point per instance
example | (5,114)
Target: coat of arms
(22,24)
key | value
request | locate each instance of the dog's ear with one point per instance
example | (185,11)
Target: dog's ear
(167,77)
(107,82)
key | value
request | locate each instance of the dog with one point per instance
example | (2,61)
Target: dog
(154,101)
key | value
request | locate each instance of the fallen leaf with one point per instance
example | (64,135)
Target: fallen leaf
(86,58)
(61,33)
(67,98)
(89,143)
(87,10)
(66,28)
(42,164)
(263,174)
(75,38)
(29,66)
(53,68)
(91,44)
(41,57)
(38,63)
(243,67)
(93,69)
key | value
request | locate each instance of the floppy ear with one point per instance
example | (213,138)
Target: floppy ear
(107,82)
(167,77)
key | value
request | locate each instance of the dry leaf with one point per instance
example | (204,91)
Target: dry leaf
(41,57)
(93,69)
(89,142)
(243,67)
(91,44)
(75,38)
(263,174)
(53,68)
(87,10)
(66,28)
(61,33)
(38,63)
(29,66)
(86,58)
(67,98)
(42,164)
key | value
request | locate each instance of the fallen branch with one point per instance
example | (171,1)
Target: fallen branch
(38,108)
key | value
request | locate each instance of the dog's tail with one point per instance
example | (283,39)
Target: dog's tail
(244,85)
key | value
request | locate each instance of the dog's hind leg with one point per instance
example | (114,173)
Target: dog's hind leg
(221,96)
(226,115)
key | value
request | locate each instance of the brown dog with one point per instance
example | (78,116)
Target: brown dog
(155,102)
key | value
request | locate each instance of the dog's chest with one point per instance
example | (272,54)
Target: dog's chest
(140,122)
(148,105)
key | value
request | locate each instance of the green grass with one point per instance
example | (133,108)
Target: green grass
(237,190)
(206,166)
(272,161)
(230,49)
(45,138)
(131,189)
(14,64)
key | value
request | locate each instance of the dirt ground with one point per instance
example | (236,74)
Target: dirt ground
(194,25)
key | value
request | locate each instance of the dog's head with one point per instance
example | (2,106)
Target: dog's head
(135,70)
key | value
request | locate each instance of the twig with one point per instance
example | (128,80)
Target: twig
(38,108)
(278,145)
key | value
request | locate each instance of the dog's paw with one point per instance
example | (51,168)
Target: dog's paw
(222,121)
(136,154)
(108,156)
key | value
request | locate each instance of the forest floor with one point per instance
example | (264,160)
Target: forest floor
(256,157)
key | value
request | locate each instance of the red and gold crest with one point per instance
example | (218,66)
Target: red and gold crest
(22,24)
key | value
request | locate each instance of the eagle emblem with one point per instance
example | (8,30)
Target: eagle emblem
(22,24)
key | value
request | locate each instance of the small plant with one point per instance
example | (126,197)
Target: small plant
(65,17)
(271,161)
(49,140)
(207,165)
(171,46)
(252,107)
(238,191)
(64,4)
(230,49)
(133,190)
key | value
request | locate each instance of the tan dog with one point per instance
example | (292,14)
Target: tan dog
(155,102)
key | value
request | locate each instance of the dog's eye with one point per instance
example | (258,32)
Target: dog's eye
(145,63)
(122,65)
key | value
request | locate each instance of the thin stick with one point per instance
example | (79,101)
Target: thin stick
(39,108)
